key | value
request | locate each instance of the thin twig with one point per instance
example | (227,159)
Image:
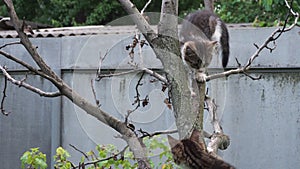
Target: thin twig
(218,140)
(252,77)
(94,93)
(101,59)
(75,148)
(137,98)
(105,159)
(29,87)
(212,109)
(146,5)
(147,134)
(11,43)
(146,70)
(3,98)
(100,76)
(139,19)
(26,65)
(290,8)
(156,75)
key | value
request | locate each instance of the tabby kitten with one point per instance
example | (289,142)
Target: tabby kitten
(200,27)
(188,154)
(196,56)
(203,36)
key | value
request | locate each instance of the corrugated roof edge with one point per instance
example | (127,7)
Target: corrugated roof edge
(72,31)
(86,30)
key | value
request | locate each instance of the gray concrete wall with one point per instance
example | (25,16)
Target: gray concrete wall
(261,117)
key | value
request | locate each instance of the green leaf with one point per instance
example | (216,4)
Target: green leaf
(82,159)
(25,156)
(41,163)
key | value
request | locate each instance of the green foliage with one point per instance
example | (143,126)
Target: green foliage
(60,159)
(158,145)
(34,159)
(105,156)
(262,13)
(95,12)
(108,157)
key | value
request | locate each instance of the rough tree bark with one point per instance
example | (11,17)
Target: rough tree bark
(166,47)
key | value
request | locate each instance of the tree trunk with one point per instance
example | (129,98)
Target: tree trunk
(209,5)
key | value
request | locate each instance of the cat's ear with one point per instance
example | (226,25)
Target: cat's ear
(195,135)
(213,45)
(213,42)
(172,141)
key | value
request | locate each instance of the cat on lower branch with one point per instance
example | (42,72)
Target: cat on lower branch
(188,154)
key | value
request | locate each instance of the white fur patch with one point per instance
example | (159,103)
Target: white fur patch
(183,48)
(190,70)
(218,32)
(217,36)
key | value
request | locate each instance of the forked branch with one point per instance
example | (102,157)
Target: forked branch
(218,140)
(139,19)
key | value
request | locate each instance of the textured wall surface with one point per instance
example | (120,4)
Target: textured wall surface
(261,117)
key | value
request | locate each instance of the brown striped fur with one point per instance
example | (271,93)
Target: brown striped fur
(188,154)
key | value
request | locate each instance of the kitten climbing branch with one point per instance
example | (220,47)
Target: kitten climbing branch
(272,38)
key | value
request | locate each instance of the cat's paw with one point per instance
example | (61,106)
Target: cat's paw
(201,77)
(193,94)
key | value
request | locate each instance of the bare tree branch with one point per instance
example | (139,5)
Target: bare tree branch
(26,65)
(100,76)
(218,140)
(146,134)
(3,98)
(156,75)
(75,148)
(137,67)
(26,42)
(145,7)
(168,24)
(27,86)
(137,100)
(128,135)
(11,43)
(139,20)
(290,8)
(94,162)
(100,64)
(94,93)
